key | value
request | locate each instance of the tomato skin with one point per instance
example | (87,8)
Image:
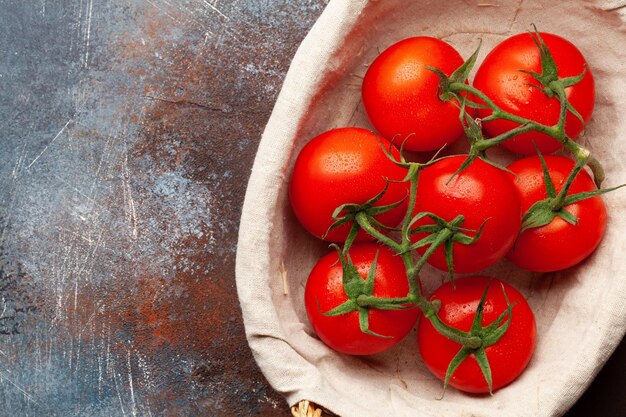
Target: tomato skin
(480,192)
(324,291)
(400,94)
(508,357)
(341,166)
(499,77)
(557,245)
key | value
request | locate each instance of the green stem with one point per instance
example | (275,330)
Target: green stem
(557,202)
(498,113)
(444,235)
(560,92)
(557,131)
(373,301)
(458,336)
(363,221)
(405,244)
(484,144)
(580,152)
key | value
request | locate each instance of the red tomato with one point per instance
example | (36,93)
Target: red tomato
(559,244)
(344,166)
(401,96)
(324,291)
(499,77)
(480,193)
(508,357)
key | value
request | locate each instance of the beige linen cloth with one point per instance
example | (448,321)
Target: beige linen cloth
(581,313)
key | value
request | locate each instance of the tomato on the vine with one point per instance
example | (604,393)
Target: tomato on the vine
(503,78)
(508,357)
(324,291)
(559,244)
(401,97)
(344,166)
(484,195)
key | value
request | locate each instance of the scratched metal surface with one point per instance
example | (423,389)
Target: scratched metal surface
(127,132)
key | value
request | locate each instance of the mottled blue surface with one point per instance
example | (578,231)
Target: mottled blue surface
(127,133)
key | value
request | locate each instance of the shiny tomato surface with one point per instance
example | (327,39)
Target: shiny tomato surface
(401,96)
(341,166)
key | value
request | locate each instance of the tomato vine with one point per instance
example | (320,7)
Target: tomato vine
(444,234)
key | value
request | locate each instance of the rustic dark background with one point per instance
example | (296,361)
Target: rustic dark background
(127,134)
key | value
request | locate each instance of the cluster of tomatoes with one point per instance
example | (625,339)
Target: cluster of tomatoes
(388,215)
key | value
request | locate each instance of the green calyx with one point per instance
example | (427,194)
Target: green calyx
(442,233)
(487,336)
(544,211)
(553,86)
(460,75)
(347,214)
(360,294)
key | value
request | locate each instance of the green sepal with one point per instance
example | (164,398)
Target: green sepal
(375,210)
(549,70)
(466,163)
(477,323)
(461,355)
(487,335)
(495,331)
(353,207)
(547,179)
(468,240)
(472,130)
(353,284)
(474,134)
(483,363)
(352,234)
(427,241)
(364,323)
(576,114)
(539,214)
(567,216)
(575,198)
(444,84)
(350,211)
(344,308)
(570,81)
(549,77)
(460,75)
(496,165)
(368,288)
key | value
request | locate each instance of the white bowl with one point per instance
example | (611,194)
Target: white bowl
(581,312)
